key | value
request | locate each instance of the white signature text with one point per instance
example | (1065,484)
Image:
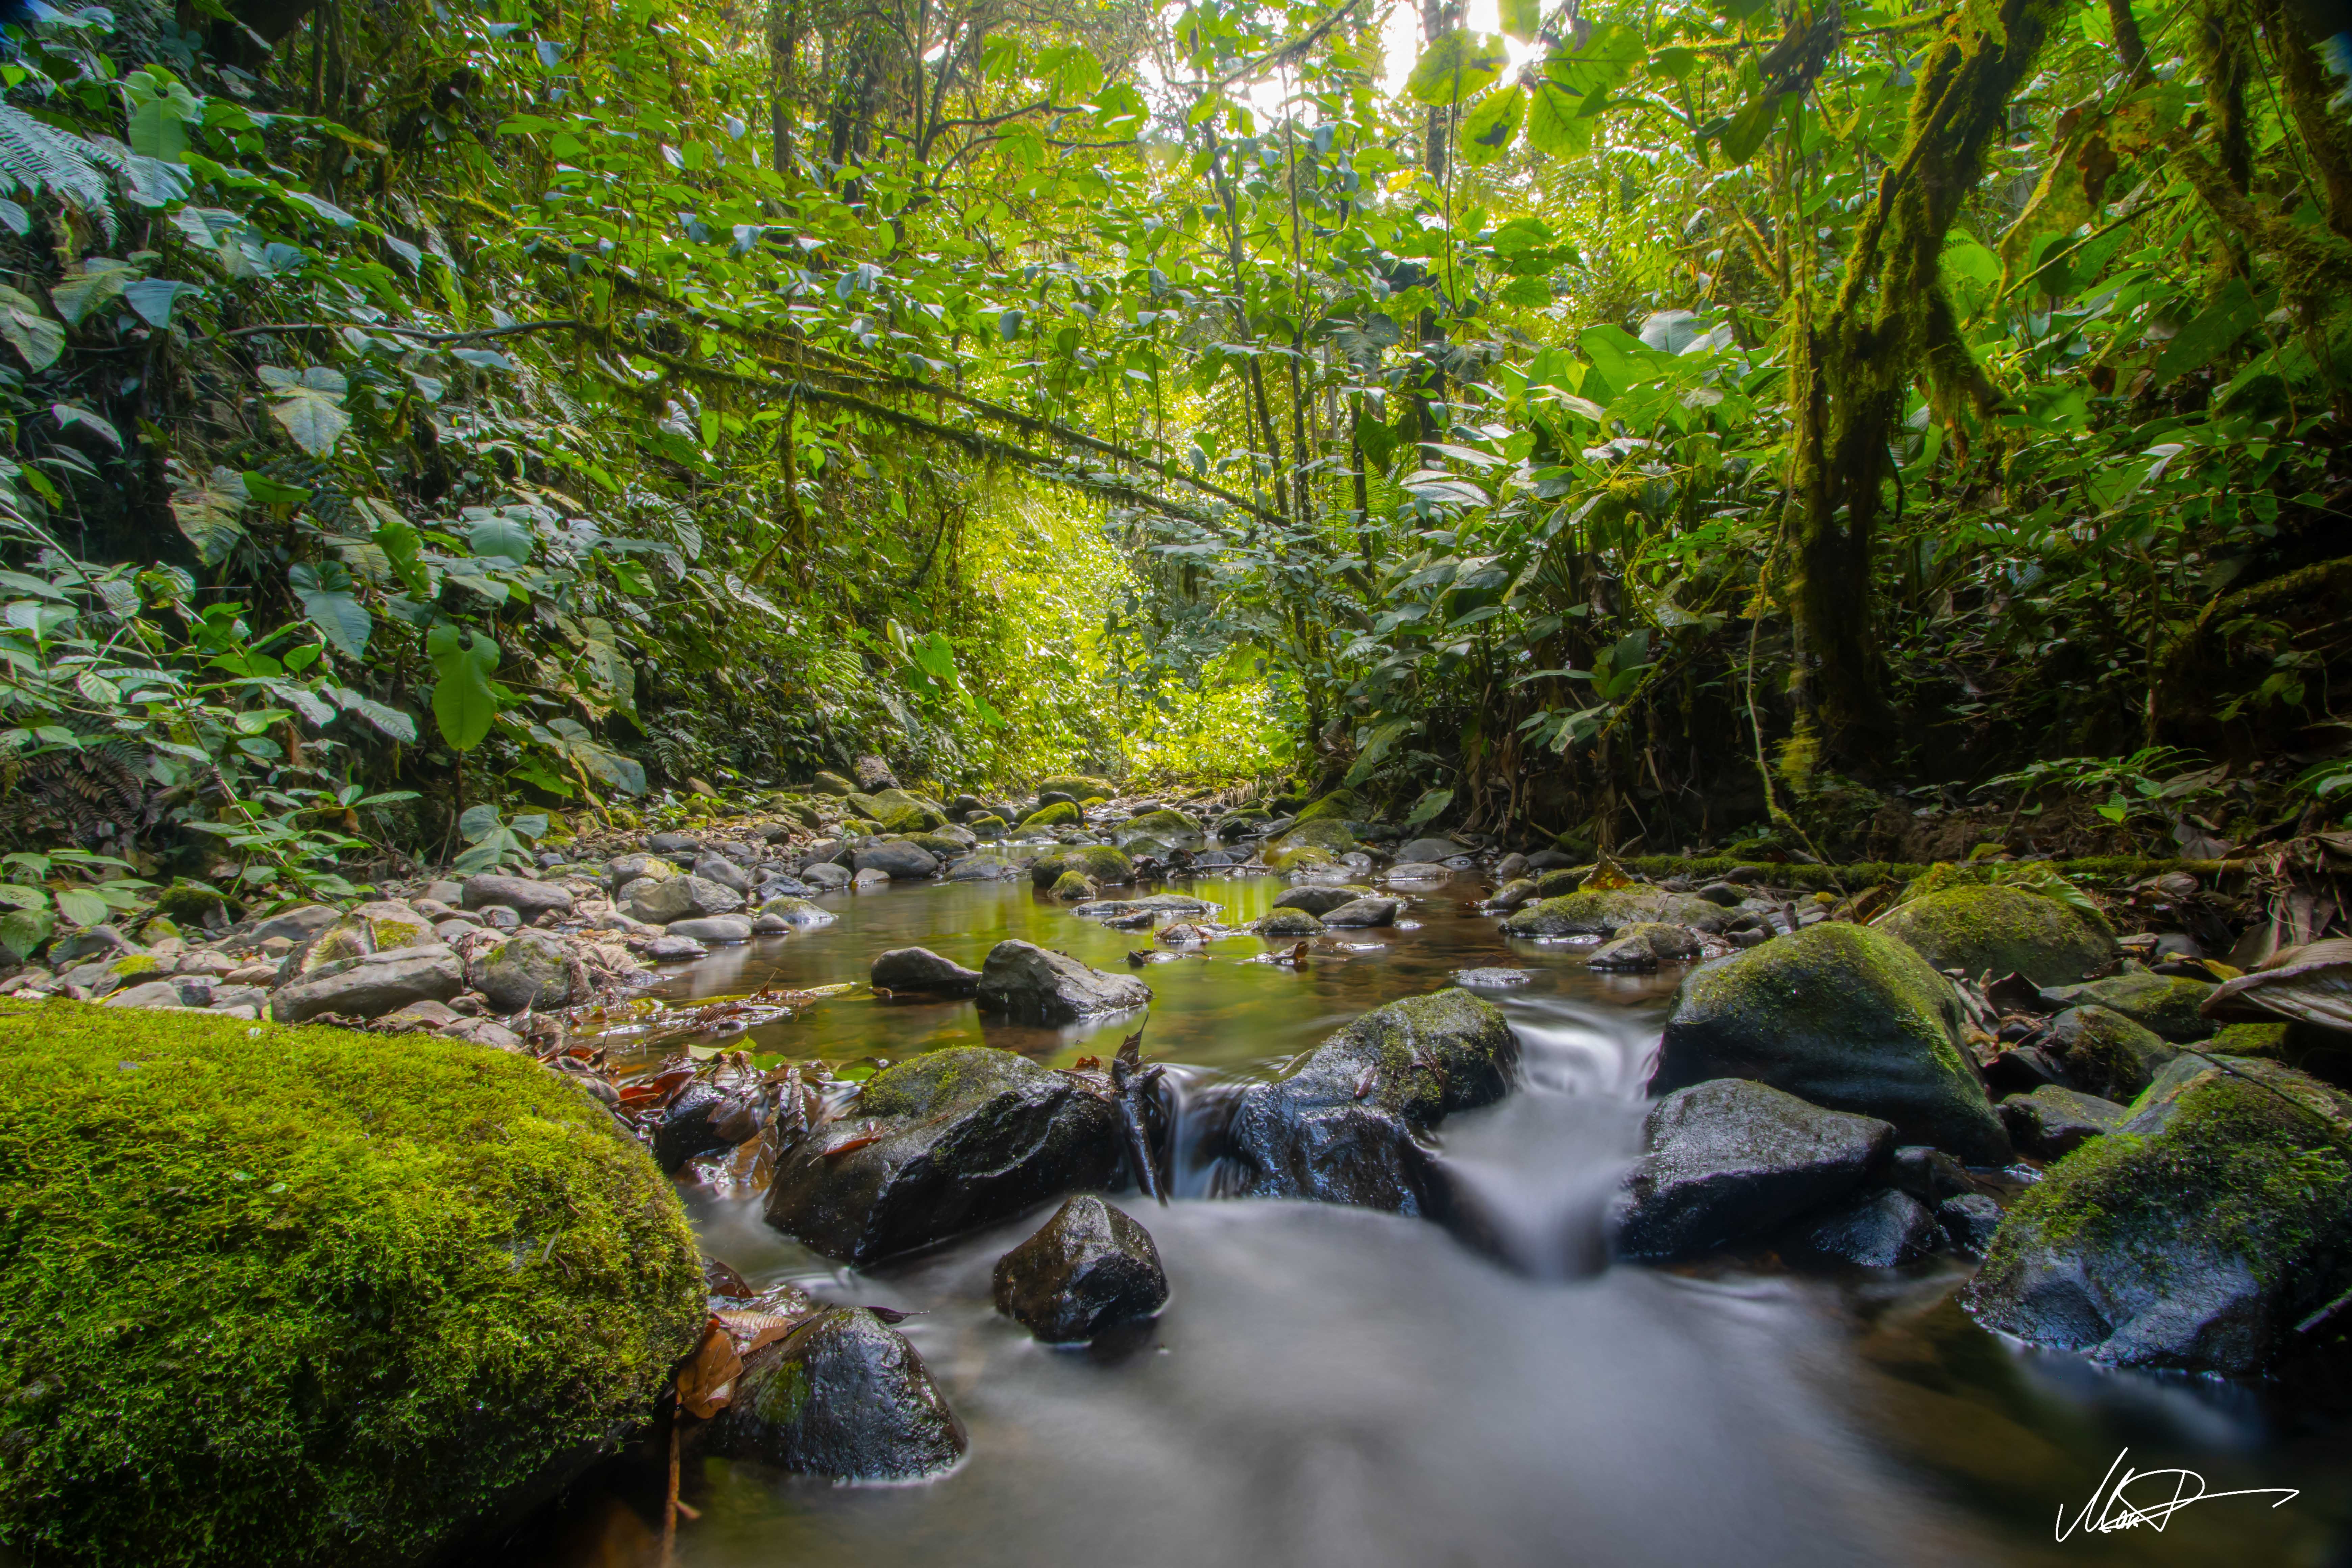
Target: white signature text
(2128,1499)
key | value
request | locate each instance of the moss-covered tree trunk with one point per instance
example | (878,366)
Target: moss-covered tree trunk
(1855,361)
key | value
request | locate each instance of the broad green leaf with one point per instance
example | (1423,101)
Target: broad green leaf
(263,491)
(23,931)
(477,823)
(1427,807)
(463,662)
(83,907)
(391,720)
(327,599)
(1964,258)
(156,298)
(2208,334)
(1554,128)
(71,416)
(91,283)
(34,336)
(310,410)
(207,512)
(502,536)
(1456,66)
(1748,129)
(1521,18)
(1493,122)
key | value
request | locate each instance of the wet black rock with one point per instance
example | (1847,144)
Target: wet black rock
(1090,1268)
(842,1395)
(918,969)
(1376,910)
(2105,1053)
(1929,1175)
(703,1120)
(1320,898)
(1033,984)
(1731,1159)
(2197,1236)
(1878,1230)
(1969,1222)
(1348,1126)
(897,859)
(942,1144)
(2051,1123)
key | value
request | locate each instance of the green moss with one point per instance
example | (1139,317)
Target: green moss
(303,1296)
(1605,914)
(1078,786)
(2248,1040)
(193,903)
(930,1083)
(1098,862)
(132,964)
(1317,843)
(1339,805)
(1072,886)
(1297,858)
(1984,928)
(1061,814)
(1854,876)
(2164,1003)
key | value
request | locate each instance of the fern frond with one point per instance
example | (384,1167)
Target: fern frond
(37,157)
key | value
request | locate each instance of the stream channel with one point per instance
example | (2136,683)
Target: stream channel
(1331,1387)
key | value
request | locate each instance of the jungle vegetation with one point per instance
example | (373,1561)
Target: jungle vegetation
(1664,424)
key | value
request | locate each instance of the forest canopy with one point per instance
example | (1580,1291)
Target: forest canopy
(1653,425)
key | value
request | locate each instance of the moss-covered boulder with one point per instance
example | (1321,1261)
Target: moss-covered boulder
(1101,862)
(1305,843)
(1071,887)
(1990,929)
(1286,924)
(2164,1003)
(1339,805)
(1078,786)
(1166,827)
(1845,1016)
(2107,1054)
(1606,914)
(940,1144)
(1348,1127)
(1061,814)
(1322,898)
(842,1395)
(2197,1236)
(299,1296)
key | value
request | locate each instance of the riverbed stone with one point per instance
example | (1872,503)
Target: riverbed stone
(674,843)
(1883,1229)
(677,899)
(842,1395)
(2105,1053)
(1605,914)
(1322,899)
(1034,985)
(825,877)
(530,898)
(669,949)
(2052,1122)
(2197,1236)
(1286,924)
(623,870)
(2163,1003)
(1969,1222)
(1375,910)
(1731,1160)
(1349,1125)
(798,912)
(1060,814)
(718,868)
(1842,1016)
(943,1144)
(373,985)
(1090,1268)
(918,969)
(297,924)
(1988,929)
(1642,946)
(897,859)
(1098,862)
(1166,825)
(709,929)
(531,970)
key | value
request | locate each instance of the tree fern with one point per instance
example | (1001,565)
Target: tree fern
(36,157)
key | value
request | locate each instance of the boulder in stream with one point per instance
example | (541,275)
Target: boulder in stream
(1606,914)
(842,1395)
(1375,910)
(1320,898)
(1985,928)
(1034,985)
(920,970)
(1090,1268)
(1845,1016)
(897,859)
(2052,1122)
(1883,1229)
(939,1144)
(1348,1126)
(2104,1053)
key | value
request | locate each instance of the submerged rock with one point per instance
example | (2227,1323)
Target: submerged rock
(842,1395)
(1606,914)
(918,969)
(1090,1268)
(1731,1159)
(940,1144)
(1038,986)
(2196,1236)
(797,912)
(1347,1126)
(1981,929)
(1845,1016)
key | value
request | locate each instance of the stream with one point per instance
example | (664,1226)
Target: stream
(1334,1386)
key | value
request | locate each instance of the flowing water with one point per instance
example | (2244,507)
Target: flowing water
(1333,1386)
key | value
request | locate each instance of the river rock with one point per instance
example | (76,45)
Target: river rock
(530,898)
(1842,1016)
(658,902)
(2166,1004)
(1927,1174)
(959,1138)
(1990,929)
(1033,984)
(1166,827)
(1731,1160)
(798,912)
(709,929)
(1969,1222)
(2197,1236)
(1090,1268)
(1347,1126)
(702,1119)
(1417,871)
(1512,895)
(1322,899)
(718,868)
(897,859)
(842,1395)
(1883,1229)
(918,969)
(1606,914)
(179,991)
(675,843)
(1286,924)
(826,876)
(371,985)
(623,870)
(1644,945)
(529,968)
(1098,862)
(1376,910)
(297,924)
(2104,1053)
(2052,1122)
(1429,850)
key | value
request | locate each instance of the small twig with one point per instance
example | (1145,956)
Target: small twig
(561,324)
(670,1503)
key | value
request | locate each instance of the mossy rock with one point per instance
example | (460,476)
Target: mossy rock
(1339,805)
(938,844)
(1073,887)
(1325,836)
(2249,1040)
(1842,1016)
(834,784)
(302,1296)
(1288,923)
(2105,1053)
(2195,1236)
(1168,826)
(1992,929)
(1606,914)
(1078,786)
(190,903)
(2166,1004)
(1298,858)
(1101,862)
(1061,814)
(902,811)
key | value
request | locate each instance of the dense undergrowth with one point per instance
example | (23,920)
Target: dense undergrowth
(1866,431)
